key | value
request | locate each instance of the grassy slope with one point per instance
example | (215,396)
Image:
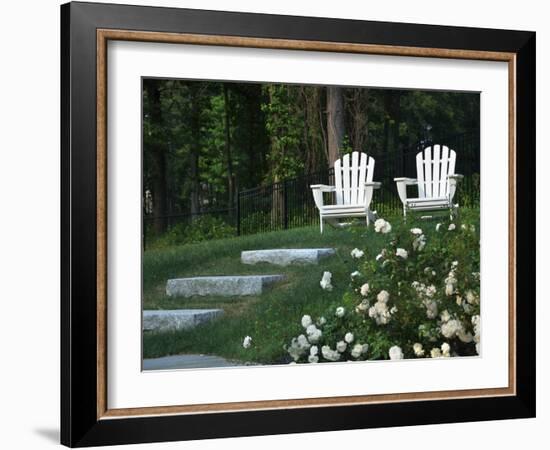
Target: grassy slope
(272,319)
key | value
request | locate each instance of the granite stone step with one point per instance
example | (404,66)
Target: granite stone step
(226,286)
(177,319)
(286,256)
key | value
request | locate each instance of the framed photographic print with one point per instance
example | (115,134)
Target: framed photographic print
(277,224)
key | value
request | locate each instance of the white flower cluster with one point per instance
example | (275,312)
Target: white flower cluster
(451,281)
(396,353)
(326,281)
(426,294)
(418,349)
(472,298)
(380,311)
(476,322)
(358,350)
(451,327)
(365,289)
(356,253)
(329,354)
(313,354)
(300,345)
(419,242)
(401,252)
(381,226)
(443,352)
(362,307)
(247,342)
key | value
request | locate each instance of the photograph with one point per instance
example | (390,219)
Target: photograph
(302,224)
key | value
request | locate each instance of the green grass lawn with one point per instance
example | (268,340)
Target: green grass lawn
(271,319)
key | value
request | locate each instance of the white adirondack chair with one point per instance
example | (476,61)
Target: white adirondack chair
(352,191)
(436,181)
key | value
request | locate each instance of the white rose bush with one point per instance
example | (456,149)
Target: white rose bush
(416,295)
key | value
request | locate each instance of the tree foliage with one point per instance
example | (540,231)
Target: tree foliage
(205,140)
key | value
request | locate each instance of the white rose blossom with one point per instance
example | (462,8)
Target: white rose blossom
(306,321)
(418,349)
(451,328)
(362,307)
(416,231)
(247,342)
(402,253)
(349,337)
(381,226)
(356,253)
(383,296)
(431,309)
(396,353)
(314,350)
(357,351)
(435,353)
(329,354)
(445,349)
(419,243)
(452,226)
(326,281)
(340,311)
(365,289)
(321,321)
(313,359)
(313,334)
(298,347)
(341,346)
(471,298)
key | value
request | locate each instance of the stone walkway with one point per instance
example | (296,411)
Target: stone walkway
(187,362)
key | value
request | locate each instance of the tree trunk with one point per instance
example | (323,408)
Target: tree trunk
(227,125)
(195,149)
(159,157)
(335,123)
(392,100)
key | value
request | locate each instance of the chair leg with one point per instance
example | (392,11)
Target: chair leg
(368,221)
(321,223)
(404,213)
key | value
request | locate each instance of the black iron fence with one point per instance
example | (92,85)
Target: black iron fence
(289,204)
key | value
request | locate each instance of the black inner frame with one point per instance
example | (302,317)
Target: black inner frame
(79,424)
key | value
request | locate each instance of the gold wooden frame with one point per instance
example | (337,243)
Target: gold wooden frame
(103,36)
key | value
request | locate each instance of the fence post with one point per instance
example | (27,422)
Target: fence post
(285,208)
(238,213)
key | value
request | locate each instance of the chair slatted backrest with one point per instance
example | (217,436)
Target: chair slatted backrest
(433,166)
(351,172)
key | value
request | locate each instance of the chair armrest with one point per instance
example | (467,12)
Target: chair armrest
(373,184)
(402,184)
(323,187)
(453,181)
(406,180)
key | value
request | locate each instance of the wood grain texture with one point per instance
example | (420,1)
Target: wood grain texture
(103,35)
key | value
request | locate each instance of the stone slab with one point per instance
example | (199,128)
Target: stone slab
(187,362)
(286,256)
(225,286)
(177,319)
